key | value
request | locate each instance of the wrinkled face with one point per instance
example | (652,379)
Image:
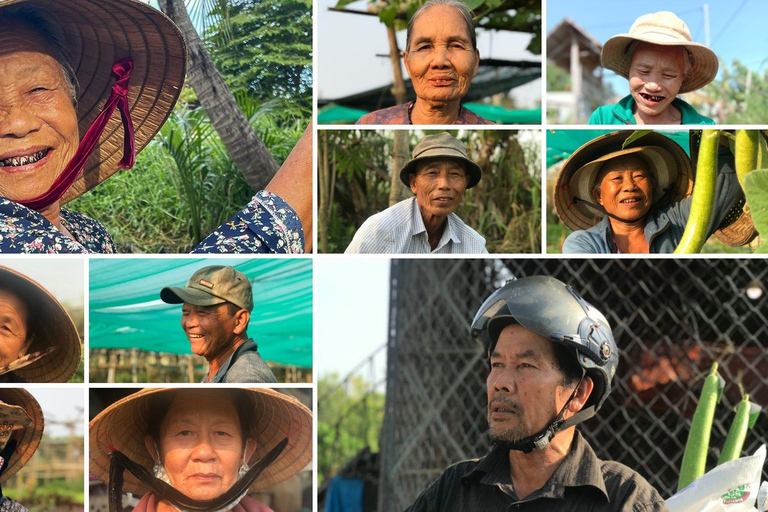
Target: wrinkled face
(439,186)
(655,76)
(626,188)
(201,444)
(441,61)
(38,122)
(210,329)
(525,385)
(13,328)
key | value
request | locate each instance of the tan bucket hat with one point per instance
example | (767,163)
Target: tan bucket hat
(54,330)
(664,158)
(99,33)
(665,29)
(442,145)
(123,425)
(20,410)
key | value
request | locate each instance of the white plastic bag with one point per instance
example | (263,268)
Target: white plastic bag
(730,487)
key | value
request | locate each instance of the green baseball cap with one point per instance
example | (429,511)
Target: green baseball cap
(441,146)
(210,286)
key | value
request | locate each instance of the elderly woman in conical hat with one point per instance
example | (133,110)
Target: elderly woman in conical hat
(38,339)
(199,449)
(634,199)
(660,60)
(23,423)
(85,86)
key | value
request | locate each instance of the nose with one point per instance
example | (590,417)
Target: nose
(440,57)
(188,320)
(443,182)
(629,182)
(653,85)
(17,122)
(501,382)
(203,451)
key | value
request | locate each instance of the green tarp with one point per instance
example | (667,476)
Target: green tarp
(561,143)
(126,310)
(336,114)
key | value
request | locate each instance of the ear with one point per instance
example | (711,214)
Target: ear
(477,62)
(25,348)
(582,395)
(149,444)
(597,196)
(405,62)
(412,181)
(241,318)
(250,449)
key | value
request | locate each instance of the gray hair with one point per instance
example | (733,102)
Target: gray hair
(688,60)
(466,14)
(40,19)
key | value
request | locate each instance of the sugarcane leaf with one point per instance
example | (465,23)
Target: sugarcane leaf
(756,191)
(635,135)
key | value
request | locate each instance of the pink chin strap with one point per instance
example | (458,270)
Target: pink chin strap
(121,70)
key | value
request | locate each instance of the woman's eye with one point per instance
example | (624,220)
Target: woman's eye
(38,89)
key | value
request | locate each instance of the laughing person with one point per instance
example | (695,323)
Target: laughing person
(660,60)
(441,57)
(438,174)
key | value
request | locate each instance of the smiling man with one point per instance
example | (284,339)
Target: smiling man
(438,174)
(552,357)
(217,304)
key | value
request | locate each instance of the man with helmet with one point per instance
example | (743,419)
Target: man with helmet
(551,357)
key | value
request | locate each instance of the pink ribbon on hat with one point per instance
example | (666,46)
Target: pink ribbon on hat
(121,70)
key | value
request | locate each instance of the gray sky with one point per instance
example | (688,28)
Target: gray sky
(60,404)
(63,277)
(351,311)
(348,45)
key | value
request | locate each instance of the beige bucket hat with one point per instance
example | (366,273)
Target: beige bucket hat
(20,411)
(123,425)
(98,33)
(54,331)
(664,158)
(665,29)
(442,145)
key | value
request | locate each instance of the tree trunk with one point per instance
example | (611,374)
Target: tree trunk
(249,153)
(398,89)
(400,156)
(327,172)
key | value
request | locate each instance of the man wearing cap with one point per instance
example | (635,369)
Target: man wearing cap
(217,307)
(551,358)
(438,174)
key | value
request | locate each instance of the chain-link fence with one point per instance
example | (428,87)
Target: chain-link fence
(671,320)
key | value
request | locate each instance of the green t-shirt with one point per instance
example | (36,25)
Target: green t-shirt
(621,113)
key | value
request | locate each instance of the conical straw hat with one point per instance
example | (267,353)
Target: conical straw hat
(18,406)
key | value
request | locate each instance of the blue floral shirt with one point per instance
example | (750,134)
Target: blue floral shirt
(266,225)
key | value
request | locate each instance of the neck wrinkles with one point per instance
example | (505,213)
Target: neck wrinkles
(424,112)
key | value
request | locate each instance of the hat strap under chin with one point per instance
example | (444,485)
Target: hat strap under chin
(121,70)
(120,462)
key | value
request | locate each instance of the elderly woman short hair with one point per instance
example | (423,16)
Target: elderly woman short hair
(660,60)
(634,199)
(85,86)
(199,449)
(441,57)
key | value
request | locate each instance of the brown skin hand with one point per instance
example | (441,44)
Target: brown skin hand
(293,183)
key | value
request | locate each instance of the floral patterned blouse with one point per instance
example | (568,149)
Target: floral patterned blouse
(8,505)
(401,114)
(266,225)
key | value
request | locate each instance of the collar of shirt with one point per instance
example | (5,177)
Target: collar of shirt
(449,233)
(579,468)
(688,115)
(657,222)
(219,376)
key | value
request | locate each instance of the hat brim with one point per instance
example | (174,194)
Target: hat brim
(705,64)
(98,33)
(179,295)
(30,436)
(664,158)
(123,425)
(53,328)
(474,172)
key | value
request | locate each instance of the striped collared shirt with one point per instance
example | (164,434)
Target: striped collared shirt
(400,230)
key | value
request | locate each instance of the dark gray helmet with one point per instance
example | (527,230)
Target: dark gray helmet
(552,309)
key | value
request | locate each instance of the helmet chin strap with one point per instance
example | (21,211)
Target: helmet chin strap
(544,437)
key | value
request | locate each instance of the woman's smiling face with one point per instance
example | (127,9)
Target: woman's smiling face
(625,188)
(441,60)
(656,74)
(38,122)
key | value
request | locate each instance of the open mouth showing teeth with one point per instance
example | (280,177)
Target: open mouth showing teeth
(655,99)
(24,160)
(195,335)
(629,201)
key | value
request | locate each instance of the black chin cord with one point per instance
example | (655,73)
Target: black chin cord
(5,455)
(120,462)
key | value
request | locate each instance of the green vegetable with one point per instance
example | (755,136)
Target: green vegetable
(695,456)
(745,152)
(738,432)
(703,201)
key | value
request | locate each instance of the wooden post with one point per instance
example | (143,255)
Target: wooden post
(398,88)
(401,152)
(112,367)
(576,78)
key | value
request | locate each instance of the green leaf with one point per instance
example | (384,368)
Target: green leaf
(636,135)
(473,4)
(343,3)
(756,190)
(388,15)
(762,154)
